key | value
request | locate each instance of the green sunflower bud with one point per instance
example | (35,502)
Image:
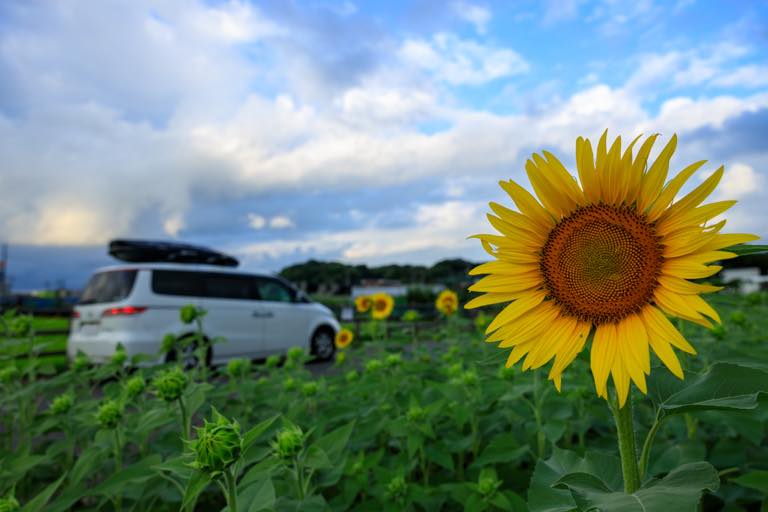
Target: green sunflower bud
(506,373)
(393,360)
(237,368)
(9,504)
(309,388)
(454,370)
(8,374)
(288,443)
(170,384)
(119,357)
(341,356)
(190,313)
(81,362)
(469,378)
(134,386)
(373,365)
(62,404)
(218,445)
(289,384)
(273,361)
(416,414)
(487,485)
(351,376)
(295,354)
(109,414)
(411,316)
(397,488)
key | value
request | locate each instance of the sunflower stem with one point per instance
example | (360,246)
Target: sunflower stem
(645,454)
(625,432)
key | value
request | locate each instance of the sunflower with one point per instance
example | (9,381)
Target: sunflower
(343,338)
(381,305)
(363,303)
(607,258)
(447,302)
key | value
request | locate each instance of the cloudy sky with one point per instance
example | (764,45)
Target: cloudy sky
(359,131)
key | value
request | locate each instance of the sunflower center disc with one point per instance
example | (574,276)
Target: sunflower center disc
(601,263)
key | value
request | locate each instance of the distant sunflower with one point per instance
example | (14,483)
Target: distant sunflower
(362,303)
(607,256)
(343,338)
(447,302)
(381,305)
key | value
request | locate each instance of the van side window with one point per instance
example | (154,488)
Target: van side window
(273,290)
(229,286)
(177,282)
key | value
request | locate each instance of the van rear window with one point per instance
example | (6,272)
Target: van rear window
(213,285)
(110,286)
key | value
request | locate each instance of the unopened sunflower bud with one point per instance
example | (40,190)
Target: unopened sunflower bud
(309,388)
(288,443)
(393,360)
(62,404)
(739,318)
(341,356)
(272,361)
(109,414)
(416,414)
(469,378)
(134,386)
(351,376)
(455,370)
(373,365)
(397,488)
(506,373)
(190,313)
(289,384)
(119,357)
(80,362)
(218,445)
(8,374)
(238,368)
(170,384)
(487,485)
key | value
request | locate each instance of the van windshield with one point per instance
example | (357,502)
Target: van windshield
(110,286)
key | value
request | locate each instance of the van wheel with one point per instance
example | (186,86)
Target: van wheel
(188,357)
(323,345)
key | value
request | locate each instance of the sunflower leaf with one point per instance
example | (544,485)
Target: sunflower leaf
(725,386)
(744,249)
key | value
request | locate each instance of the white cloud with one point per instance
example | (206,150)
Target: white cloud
(174,224)
(461,61)
(477,15)
(750,75)
(739,180)
(281,222)
(256,221)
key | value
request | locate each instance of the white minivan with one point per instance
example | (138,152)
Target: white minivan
(137,304)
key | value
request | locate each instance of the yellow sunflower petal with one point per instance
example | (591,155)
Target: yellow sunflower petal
(602,355)
(634,337)
(694,197)
(560,175)
(507,284)
(528,205)
(526,328)
(662,348)
(620,377)
(675,304)
(671,189)
(561,330)
(693,217)
(585,165)
(723,241)
(520,221)
(553,198)
(683,287)
(653,180)
(517,308)
(569,352)
(660,327)
(491,298)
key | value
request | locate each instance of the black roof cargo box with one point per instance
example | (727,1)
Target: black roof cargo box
(150,251)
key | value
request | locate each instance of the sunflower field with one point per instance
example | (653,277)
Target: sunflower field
(398,425)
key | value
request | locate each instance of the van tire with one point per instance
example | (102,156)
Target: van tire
(323,345)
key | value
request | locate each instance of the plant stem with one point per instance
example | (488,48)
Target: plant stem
(231,490)
(537,400)
(645,455)
(118,467)
(626,437)
(184,420)
(299,477)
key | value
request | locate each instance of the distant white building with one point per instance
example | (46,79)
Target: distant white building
(394,289)
(749,278)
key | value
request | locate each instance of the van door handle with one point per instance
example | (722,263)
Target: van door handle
(263,314)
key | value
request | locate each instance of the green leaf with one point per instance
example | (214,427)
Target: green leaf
(503,448)
(134,474)
(744,249)
(754,480)
(680,491)
(195,486)
(256,497)
(38,503)
(725,386)
(439,454)
(334,442)
(316,458)
(254,433)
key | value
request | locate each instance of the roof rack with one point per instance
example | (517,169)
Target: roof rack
(151,251)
